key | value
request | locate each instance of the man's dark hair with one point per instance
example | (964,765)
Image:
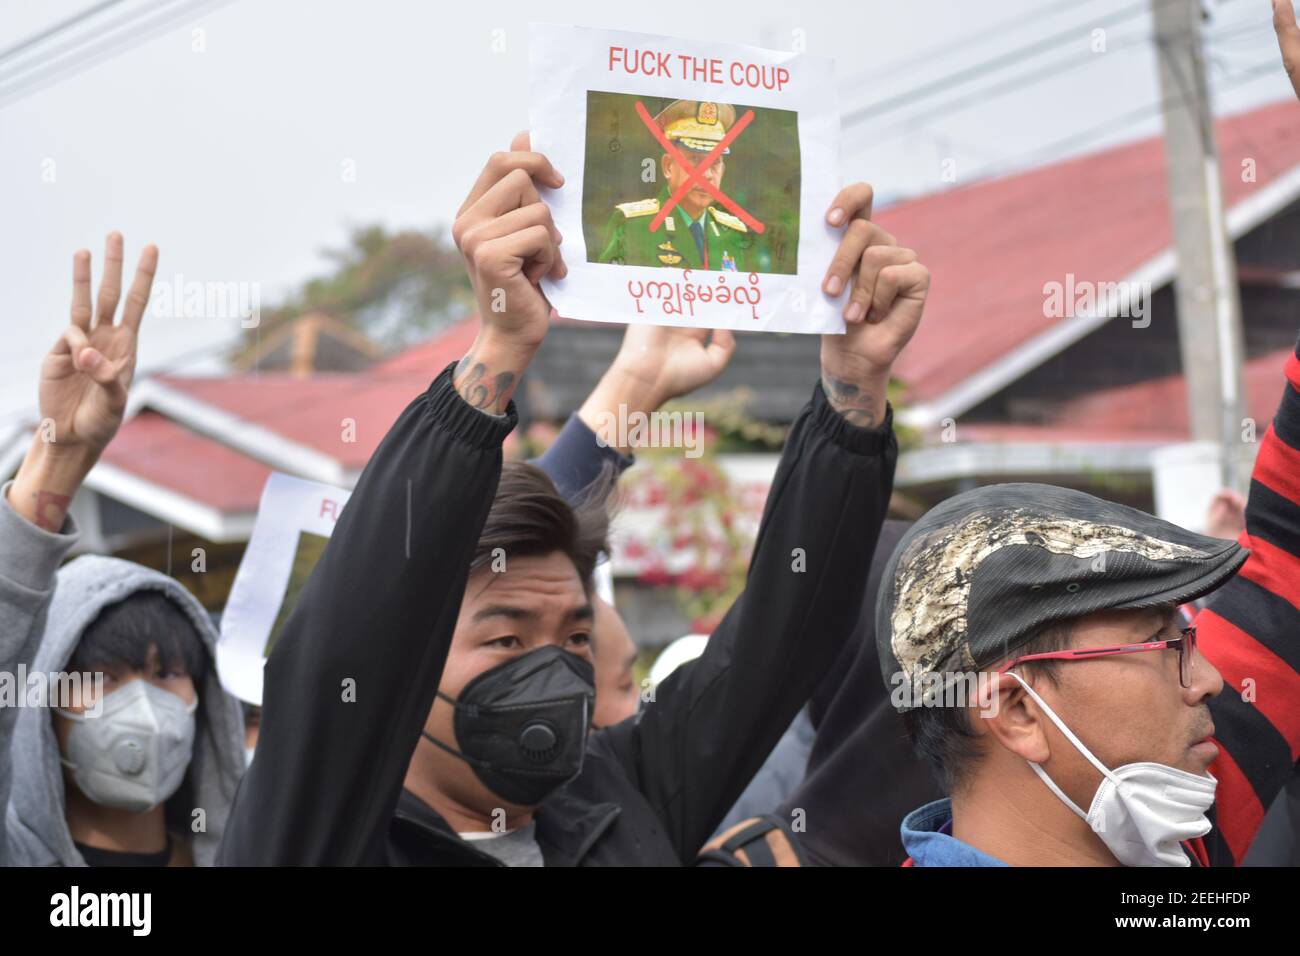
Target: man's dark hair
(943,736)
(121,635)
(530,518)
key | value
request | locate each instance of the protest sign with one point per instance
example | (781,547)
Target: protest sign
(295,519)
(698,178)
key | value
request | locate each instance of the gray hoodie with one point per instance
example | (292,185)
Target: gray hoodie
(34,601)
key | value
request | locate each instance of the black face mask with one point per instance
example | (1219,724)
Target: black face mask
(522,725)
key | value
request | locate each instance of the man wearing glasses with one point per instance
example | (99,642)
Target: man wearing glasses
(1104,731)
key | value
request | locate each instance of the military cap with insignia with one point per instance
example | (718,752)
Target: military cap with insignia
(696,125)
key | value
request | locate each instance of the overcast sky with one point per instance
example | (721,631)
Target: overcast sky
(230,158)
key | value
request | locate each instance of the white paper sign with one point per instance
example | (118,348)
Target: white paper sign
(697,179)
(295,519)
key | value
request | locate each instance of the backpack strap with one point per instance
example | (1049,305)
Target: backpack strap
(760,841)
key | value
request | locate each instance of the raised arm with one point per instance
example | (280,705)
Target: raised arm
(83,385)
(654,365)
(1250,632)
(714,721)
(352,678)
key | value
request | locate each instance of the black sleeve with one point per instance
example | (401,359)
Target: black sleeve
(350,682)
(714,721)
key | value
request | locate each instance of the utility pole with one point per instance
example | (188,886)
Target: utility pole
(1206,293)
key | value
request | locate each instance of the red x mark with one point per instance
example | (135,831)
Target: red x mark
(697,172)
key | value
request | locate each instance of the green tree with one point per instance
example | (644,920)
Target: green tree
(394,288)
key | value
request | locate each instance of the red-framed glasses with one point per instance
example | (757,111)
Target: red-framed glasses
(1186,645)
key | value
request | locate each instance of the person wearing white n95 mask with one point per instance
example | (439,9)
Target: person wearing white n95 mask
(134,754)
(129,751)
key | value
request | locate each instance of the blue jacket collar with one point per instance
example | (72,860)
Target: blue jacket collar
(928,841)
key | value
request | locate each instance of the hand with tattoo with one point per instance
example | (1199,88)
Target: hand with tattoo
(889,287)
(84,381)
(509,242)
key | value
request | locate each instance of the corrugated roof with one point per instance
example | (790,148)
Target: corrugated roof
(992,246)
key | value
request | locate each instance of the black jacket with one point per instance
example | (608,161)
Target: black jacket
(863,775)
(352,677)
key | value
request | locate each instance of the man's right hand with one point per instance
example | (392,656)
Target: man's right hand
(509,242)
(84,381)
(655,364)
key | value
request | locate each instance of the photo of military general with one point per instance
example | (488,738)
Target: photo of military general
(655,193)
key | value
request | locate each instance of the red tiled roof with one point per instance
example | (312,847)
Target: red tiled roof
(991,246)
(156,449)
(431,357)
(1154,411)
(312,411)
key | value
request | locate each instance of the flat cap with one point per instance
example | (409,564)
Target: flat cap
(981,573)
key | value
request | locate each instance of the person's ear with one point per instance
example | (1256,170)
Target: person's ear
(667,164)
(1010,716)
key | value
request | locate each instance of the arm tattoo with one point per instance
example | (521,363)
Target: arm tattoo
(857,406)
(488,394)
(51,510)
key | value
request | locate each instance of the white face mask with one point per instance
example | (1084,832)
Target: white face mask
(1141,811)
(134,755)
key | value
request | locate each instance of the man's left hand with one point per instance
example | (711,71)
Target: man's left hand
(889,287)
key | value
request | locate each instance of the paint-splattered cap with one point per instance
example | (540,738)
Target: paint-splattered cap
(980,574)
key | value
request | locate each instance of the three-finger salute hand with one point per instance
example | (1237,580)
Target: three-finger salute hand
(83,385)
(85,376)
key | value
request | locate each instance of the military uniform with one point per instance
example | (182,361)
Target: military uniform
(726,245)
(718,241)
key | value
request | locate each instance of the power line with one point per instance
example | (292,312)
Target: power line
(1023,81)
(56,29)
(1010,85)
(1055,150)
(1001,28)
(45,53)
(1000,62)
(87,50)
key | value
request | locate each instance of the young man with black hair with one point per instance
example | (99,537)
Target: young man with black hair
(429,700)
(141,769)
(654,364)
